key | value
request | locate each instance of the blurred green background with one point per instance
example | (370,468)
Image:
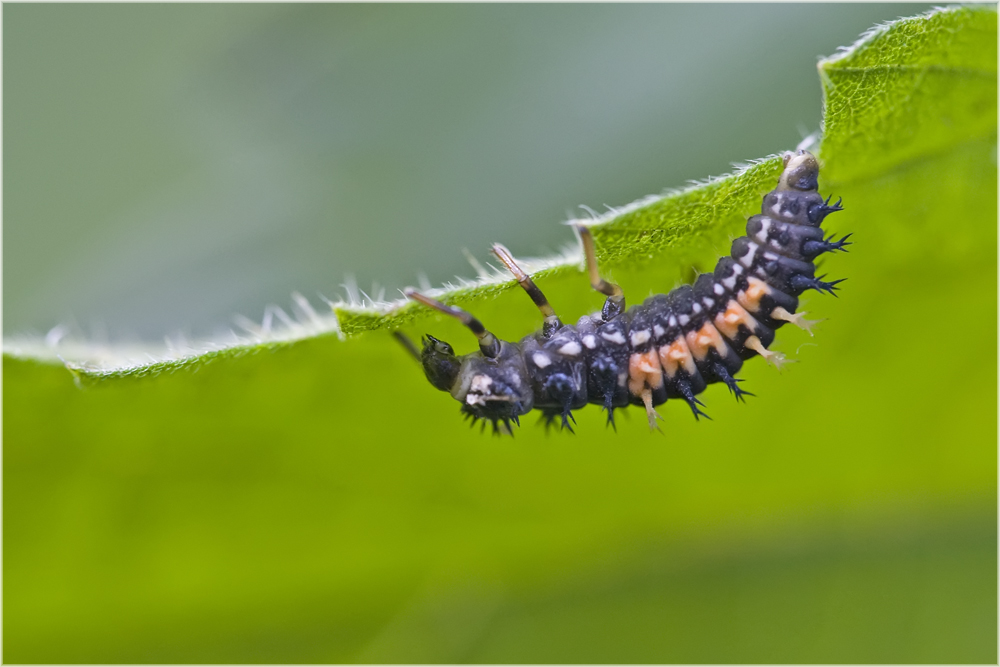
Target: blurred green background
(168,166)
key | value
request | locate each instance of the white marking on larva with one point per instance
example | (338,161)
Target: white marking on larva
(777,207)
(708,302)
(770,256)
(640,337)
(695,308)
(737,269)
(684,319)
(719,289)
(747,259)
(761,236)
(658,330)
(615,337)
(590,342)
(541,360)
(673,321)
(571,349)
(730,282)
(477,389)
(481,384)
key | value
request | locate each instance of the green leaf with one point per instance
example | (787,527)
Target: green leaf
(909,90)
(313,499)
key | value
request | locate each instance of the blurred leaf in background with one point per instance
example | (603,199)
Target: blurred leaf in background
(320,502)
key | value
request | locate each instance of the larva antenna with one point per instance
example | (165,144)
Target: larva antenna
(488,343)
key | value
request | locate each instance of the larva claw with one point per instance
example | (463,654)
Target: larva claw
(798,319)
(776,359)
(651,414)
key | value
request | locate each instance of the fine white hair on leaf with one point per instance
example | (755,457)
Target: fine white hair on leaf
(322,298)
(283,316)
(476,265)
(305,310)
(55,334)
(248,325)
(593,214)
(267,320)
(350,286)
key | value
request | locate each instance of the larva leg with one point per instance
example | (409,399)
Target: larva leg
(770,356)
(552,322)
(488,343)
(651,414)
(798,319)
(615,304)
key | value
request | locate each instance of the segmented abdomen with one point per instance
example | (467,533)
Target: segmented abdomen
(675,345)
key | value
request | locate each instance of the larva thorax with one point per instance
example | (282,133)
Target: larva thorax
(672,345)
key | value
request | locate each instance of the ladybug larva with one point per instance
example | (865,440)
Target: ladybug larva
(671,346)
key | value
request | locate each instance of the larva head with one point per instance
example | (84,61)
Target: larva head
(801,172)
(441,366)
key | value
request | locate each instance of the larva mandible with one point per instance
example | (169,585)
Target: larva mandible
(670,346)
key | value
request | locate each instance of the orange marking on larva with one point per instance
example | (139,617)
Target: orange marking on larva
(677,355)
(756,290)
(707,337)
(729,322)
(644,371)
